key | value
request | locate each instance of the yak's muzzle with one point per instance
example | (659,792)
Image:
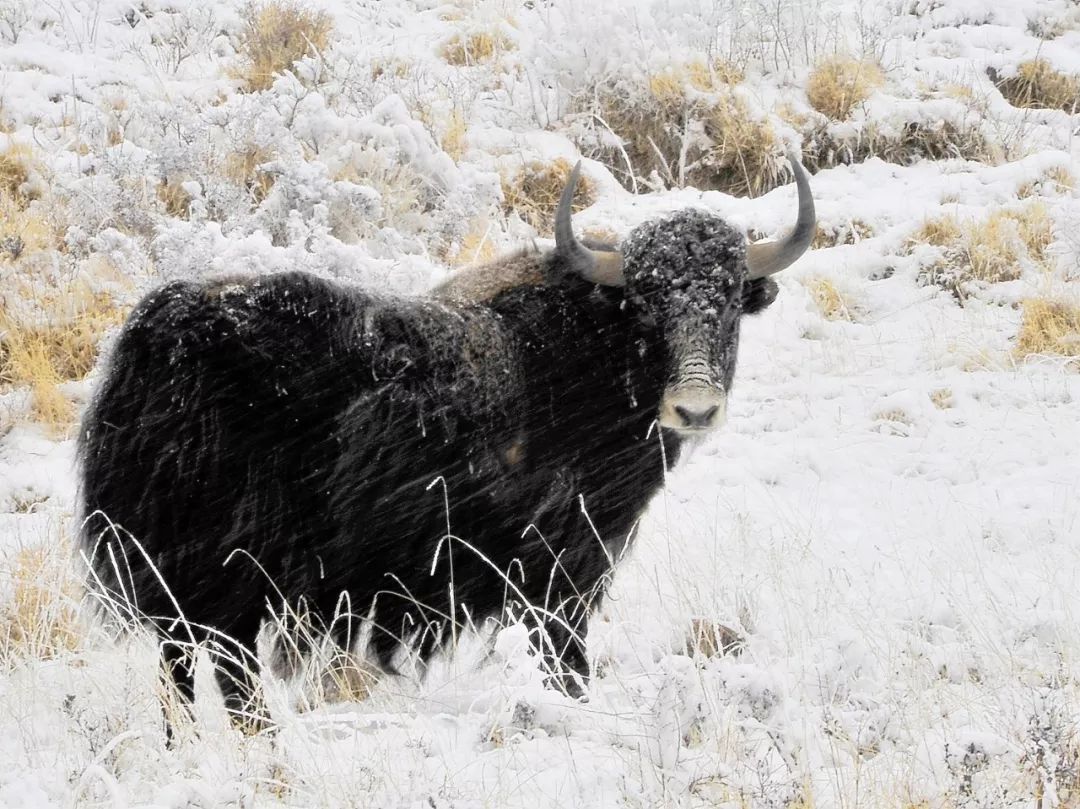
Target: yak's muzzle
(693,410)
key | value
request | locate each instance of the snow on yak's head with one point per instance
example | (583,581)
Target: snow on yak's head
(694,276)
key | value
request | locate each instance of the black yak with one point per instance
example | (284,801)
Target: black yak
(269,442)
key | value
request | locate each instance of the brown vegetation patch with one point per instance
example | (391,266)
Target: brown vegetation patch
(990,250)
(475,48)
(683,127)
(54,339)
(533,193)
(831,302)
(243,168)
(1049,327)
(825,147)
(838,85)
(278,34)
(712,639)
(1037,85)
(39,617)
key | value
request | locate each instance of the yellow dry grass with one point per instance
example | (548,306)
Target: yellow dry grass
(476,247)
(659,120)
(16,164)
(279,33)
(533,192)
(990,250)
(838,85)
(39,616)
(1038,85)
(1048,327)
(53,340)
(242,168)
(475,48)
(176,200)
(454,139)
(741,159)
(830,301)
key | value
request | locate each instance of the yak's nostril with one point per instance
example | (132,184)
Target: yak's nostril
(696,418)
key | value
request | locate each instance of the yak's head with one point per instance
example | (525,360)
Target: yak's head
(693,276)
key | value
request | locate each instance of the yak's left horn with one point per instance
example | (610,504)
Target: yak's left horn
(596,266)
(768,257)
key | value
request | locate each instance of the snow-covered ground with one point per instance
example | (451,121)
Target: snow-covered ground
(889,519)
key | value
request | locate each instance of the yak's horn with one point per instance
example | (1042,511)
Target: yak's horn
(596,266)
(768,257)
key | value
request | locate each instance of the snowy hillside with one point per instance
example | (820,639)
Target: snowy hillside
(888,527)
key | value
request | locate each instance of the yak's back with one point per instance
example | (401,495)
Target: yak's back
(217,424)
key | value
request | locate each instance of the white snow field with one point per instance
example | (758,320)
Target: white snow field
(889,520)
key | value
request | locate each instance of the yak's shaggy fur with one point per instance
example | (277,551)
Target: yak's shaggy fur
(273,441)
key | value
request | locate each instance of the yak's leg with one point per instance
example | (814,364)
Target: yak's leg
(236,672)
(177,668)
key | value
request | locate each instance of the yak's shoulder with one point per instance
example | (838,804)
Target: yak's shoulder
(481,283)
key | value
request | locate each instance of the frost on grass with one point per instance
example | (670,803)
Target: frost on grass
(533,191)
(278,34)
(681,126)
(967,253)
(1036,84)
(838,85)
(1049,327)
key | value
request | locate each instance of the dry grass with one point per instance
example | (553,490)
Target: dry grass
(475,48)
(455,137)
(39,617)
(348,678)
(176,200)
(742,159)
(831,302)
(1048,327)
(711,639)
(991,250)
(838,85)
(533,193)
(826,147)
(242,167)
(943,398)
(1037,85)
(17,163)
(53,340)
(278,34)
(397,68)
(476,247)
(685,125)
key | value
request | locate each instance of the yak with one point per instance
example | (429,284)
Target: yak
(285,442)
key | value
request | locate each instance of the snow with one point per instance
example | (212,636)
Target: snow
(889,518)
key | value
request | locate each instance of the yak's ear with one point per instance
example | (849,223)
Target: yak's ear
(758,294)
